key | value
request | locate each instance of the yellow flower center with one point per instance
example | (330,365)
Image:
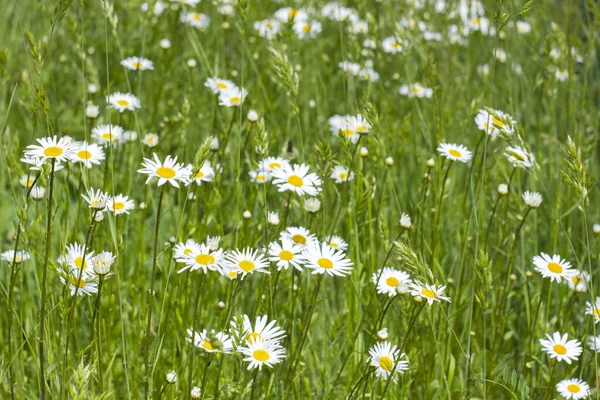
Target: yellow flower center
(396,45)
(293,12)
(221,85)
(205,259)
(306,28)
(286,255)
(235,100)
(207,345)
(260,178)
(80,263)
(573,388)
(84,154)
(118,206)
(296,180)
(247,265)
(165,172)
(455,153)
(196,16)
(137,64)
(325,263)
(429,293)
(554,267)
(53,151)
(298,238)
(187,252)
(596,312)
(386,363)
(348,132)
(343,176)
(560,349)
(123,102)
(392,281)
(200,175)
(29,182)
(576,280)
(497,121)
(269,25)
(261,355)
(361,128)
(274,165)
(415,89)
(332,244)
(77,282)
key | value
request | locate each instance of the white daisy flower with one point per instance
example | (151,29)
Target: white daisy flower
(123,101)
(416,90)
(368,74)
(554,267)
(492,124)
(289,14)
(391,282)
(273,218)
(96,199)
(87,153)
(359,124)
(339,123)
(297,178)
(286,254)
(594,343)
(92,110)
(312,205)
(532,199)
(393,45)
(579,281)
(298,235)
(573,389)
(593,309)
(350,67)
(429,292)
(195,19)
(150,139)
(51,148)
(273,163)
(19,257)
(102,262)
(336,242)
(200,256)
(561,348)
(259,176)
(518,156)
(267,28)
(323,259)
(206,173)
(119,204)
(108,134)
(75,257)
(387,359)
(232,97)
(561,74)
(84,285)
(38,192)
(247,261)
(455,152)
(307,29)
(217,85)
(168,171)
(341,174)
(268,333)
(260,353)
(405,222)
(211,342)
(137,63)
(182,250)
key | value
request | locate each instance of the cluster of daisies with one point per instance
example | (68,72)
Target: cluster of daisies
(230,95)
(392,282)
(80,268)
(296,248)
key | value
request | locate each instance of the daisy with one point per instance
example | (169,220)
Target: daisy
(246,262)
(268,333)
(195,19)
(272,218)
(88,154)
(137,63)
(494,123)
(298,235)
(108,134)
(387,359)
(579,281)
(307,29)
(393,45)
(168,171)
(573,389)
(267,28)
(554,267)
(593,309)
(359,124)
(211,342)
(212,242)
(259,176)
(232,97)
(9,256)
(324,259)
(405,222)
(429,292)
(26,181)
(416,90)
(341,174)
(51,148)
(102,262)
(391,282)
(594,343)
(312,205)
(96,199)
(38,192)
(286,254)
(206,173)
(561,348)
(350,67)
(368,74)
(339,123)
(201,256)
(297,178)
(260,353)
(289,14)
(273,163)
(217,85)
(532,199)
(455,152)
(123,101)
(75,257)
(519,157)
(336,242)
(182,250)
(84,285)
(119,204)
(150,139)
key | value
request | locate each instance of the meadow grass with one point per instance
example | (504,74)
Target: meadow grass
(470,291)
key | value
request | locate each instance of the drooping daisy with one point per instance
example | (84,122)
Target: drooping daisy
(341,174)
(206,173)
(387,359)
(185,249)
(573,389)
(561,348)
(391,282)
(217,85)
(87,153)
(19,257)
(297,178)
(594,343)
(268,333)
(260,353)
(201,257)
(429,292)
(593,309)
(336,242)
(108,134)
(298,235)
(232,97)
(405,222)
(38,192)
(27,180)
(211,342)
(554,267)
(285,254)
(51,148)
(416,90)
(267,28)
(168,171)
(323,259)
(123,101)
(247,261)
(393,45)
(519,157)
(137,63)
(455,152)
(579,281)
(96,199)
(119,204)
(273,218)
(273,163)
(532,199)
(195,19)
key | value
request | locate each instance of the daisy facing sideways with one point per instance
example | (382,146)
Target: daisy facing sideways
(554,267)
(387,360)
(429,292)
(137,63)
(212,342)
(593,309)
(561,348)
